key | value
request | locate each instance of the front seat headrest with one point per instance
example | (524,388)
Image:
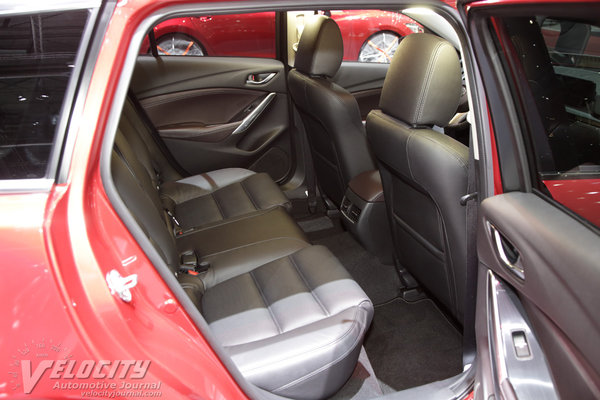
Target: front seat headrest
(423,84)
(321,49)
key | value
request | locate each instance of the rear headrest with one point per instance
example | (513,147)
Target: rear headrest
(423,84)
(321,49)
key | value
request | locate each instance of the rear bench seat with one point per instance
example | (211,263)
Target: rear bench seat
(288,313)
(202,199)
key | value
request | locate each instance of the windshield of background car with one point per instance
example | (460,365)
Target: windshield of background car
(37,57)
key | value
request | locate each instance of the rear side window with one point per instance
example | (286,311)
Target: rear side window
(556,64)
(236,35)
(37,57)
(369,35)
(373,35)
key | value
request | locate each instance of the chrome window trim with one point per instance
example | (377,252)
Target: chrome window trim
(17,7)
(25,185)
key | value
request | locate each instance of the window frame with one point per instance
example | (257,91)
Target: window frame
(520,99)
(62,142)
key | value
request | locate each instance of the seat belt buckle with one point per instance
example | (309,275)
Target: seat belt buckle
(189,264)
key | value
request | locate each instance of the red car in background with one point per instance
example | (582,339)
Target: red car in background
(369,35)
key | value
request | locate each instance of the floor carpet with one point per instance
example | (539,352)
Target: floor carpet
(408,344)
(411,344)
(379,281)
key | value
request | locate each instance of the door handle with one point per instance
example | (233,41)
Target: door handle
(260,79)
(507,252)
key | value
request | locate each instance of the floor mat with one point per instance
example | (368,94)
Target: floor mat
(379,281)
(316,224)
(411,344)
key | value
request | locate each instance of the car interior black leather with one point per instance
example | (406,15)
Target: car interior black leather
(330,114)
(287,312)
(424,172)
(212,196)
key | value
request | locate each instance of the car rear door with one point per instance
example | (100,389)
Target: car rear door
(538,240)
(227,108)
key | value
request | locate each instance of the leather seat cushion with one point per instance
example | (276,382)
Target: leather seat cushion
(222,194)
(293,326)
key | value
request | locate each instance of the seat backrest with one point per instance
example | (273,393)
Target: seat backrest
(137,128)
(424,172)
(330,114)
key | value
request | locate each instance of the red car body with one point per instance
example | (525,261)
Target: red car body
(58,244)
(253,34)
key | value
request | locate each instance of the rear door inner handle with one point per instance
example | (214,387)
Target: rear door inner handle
(260,79)
(507,252)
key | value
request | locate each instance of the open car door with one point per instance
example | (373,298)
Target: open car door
(538,243)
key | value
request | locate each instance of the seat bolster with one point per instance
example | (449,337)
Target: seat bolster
(178,192)
(264,193)
(310,362)
(293,326)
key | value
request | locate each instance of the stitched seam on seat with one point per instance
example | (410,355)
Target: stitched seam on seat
(255,243)
(291,257)
(406,150)
(326,366)
(426,83)
(448,150)
(419,238)
(218,205)
(232,220)
(262,295)
(249,195)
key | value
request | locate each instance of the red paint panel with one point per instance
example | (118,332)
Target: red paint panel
(579,195)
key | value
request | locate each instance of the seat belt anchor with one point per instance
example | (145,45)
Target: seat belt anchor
(467,197)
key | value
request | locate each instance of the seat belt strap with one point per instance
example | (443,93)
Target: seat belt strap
(153,45)
(471,201)
(311,181)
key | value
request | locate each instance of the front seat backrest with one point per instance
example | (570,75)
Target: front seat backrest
(424,172)
(329,112)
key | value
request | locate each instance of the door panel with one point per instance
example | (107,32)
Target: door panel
(218,112)
(558,257)
(364,81)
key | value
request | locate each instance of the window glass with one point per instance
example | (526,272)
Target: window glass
(368,35)
(37,55)
(238,35)
(558,71)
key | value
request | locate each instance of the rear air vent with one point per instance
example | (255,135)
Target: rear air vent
(346,204)
(354,213)
(350,210)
